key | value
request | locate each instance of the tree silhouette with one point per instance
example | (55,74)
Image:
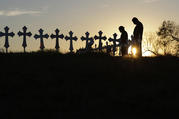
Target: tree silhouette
(168,32)
(24,34)
(6,34)
(151,43)
(57,36)
(41,36)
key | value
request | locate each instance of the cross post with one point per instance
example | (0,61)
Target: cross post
(57,36)
(89,40)
(41,36)
(100,38)
(114,40)
(6,34)
(24,33)
(71,38)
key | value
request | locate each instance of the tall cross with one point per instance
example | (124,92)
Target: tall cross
(57,36)
(100,38)
(114,40)
(24,34)
(89,40)
(71,38)
(41,36)
(6,34)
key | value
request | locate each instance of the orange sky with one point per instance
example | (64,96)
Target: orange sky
(81,16)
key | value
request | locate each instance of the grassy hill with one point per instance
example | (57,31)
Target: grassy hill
(56,86)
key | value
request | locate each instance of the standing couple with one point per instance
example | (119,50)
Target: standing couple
(136,38)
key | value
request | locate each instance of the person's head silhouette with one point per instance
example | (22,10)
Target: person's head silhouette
(135,20)
(121,29)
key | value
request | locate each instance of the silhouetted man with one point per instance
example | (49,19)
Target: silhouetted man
(124,41)
(138,34)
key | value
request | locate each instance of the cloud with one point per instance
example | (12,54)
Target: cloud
(18,12)
(151,1)
(1,13)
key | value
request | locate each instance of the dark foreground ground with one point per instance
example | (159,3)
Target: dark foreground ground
(55,86)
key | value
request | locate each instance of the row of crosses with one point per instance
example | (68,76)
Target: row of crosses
(89,40)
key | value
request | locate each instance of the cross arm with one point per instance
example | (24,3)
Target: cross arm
(110,39)
(1,34)
(46,36)
(67,38)
(20,33)
(11,34)
(75,38)
(29,34)
(91,38)
(104,38)
(36,36)
(83,38)
(96,37)
(61,36)
(53,36)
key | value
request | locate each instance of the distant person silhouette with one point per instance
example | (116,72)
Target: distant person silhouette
(123,41)
(137,36)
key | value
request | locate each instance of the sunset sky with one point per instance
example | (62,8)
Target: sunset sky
(81,16)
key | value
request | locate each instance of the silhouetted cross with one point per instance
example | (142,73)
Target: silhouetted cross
(114,40)
(89,41)
(100,38)
(71,38)
(24,34)
(6,34)
(57,36)
(41,36)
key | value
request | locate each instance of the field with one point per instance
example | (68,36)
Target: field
(94,86)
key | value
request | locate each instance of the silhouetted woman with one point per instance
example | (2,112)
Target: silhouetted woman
(124,41)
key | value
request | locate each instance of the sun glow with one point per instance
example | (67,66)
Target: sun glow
(132,51)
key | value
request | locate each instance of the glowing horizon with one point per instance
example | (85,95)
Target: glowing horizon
(81,16)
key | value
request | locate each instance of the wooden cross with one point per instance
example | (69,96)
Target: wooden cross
(6,34)
(41,36)
(89,41)
(100,38)
(57,36)
(114,40)
(24,34)
(71,38)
